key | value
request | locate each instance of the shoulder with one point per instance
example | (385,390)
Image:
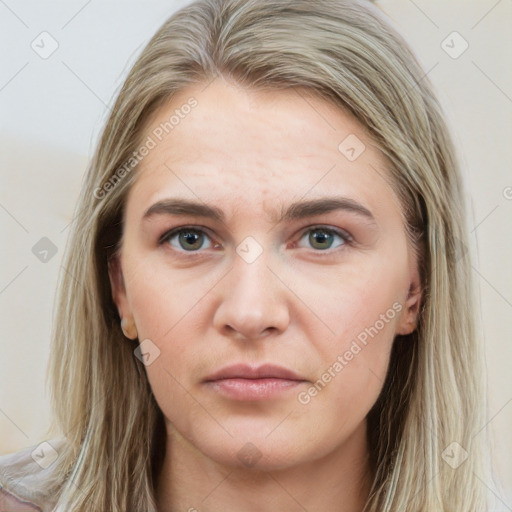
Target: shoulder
(27,477)
(11,503)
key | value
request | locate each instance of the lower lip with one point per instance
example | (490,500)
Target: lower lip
(253,389)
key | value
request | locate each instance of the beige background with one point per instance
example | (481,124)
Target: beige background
(52,110)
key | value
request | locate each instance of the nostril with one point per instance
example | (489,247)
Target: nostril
(249,334)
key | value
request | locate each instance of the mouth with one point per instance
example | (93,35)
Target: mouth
(244,382)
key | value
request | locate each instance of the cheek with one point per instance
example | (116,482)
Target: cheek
(352,369)
(362,308)
(165,301)
(361,303)
(169,311)
(170,321)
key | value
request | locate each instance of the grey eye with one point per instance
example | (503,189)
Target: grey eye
(324,238)
(188,239)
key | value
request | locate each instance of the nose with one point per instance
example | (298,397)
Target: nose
(254,302)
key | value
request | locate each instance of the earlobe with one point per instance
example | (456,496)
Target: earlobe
(129,329)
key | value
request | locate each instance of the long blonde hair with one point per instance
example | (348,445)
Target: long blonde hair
(347,53)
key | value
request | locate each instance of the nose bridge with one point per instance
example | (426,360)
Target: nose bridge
(251,274)
(253,302)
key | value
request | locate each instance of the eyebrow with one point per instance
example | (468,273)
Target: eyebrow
(296,211)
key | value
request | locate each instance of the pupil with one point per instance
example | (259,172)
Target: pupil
(321,237)
(190,240)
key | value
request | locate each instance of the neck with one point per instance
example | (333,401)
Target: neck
(190,481)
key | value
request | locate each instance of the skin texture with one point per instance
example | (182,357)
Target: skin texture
(298,305)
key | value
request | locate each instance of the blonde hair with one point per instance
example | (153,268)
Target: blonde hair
(345,52)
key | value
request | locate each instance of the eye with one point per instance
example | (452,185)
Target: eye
(322,238)
(187,239)
(192,239)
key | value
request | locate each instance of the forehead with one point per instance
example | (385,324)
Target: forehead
(256,148)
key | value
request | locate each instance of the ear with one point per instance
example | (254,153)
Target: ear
(115,273)
(410,314)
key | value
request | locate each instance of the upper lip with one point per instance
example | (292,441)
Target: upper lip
(244,371)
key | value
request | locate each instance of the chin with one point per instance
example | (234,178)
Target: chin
(259,447)
(258,458)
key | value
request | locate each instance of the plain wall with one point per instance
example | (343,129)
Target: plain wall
(52,110)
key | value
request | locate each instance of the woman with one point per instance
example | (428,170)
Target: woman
(264,303)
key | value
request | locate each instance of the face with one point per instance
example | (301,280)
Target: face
(266,268)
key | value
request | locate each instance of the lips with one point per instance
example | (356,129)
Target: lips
(242,382)
(266,371)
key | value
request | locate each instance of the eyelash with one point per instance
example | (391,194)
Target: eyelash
(344,235)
